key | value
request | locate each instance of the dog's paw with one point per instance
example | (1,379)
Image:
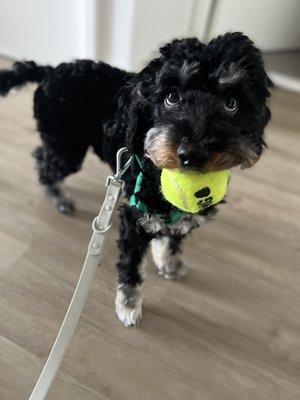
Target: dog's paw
(61,202)
(129,306)
(64,205)
(175,272)
(129,316)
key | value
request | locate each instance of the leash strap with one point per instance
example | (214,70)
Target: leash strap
(101,225)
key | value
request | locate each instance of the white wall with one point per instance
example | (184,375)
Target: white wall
(137,28)
(44,30)
(126,33)
(155,25)
(272,24)
(115,40)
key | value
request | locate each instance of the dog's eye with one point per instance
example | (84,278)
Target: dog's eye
(230,104)
(172,98)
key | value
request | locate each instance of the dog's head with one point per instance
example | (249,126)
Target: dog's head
(200,106)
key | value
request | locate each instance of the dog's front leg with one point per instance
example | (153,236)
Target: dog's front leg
(133,244)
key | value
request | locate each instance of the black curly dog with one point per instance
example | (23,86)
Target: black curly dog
(195,106)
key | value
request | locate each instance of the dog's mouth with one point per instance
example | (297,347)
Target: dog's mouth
(220,161)
(167,153)
(166,157)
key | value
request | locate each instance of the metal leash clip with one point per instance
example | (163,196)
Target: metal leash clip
(120,170)
(115,186)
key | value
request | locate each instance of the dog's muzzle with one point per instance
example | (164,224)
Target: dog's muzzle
(166,151)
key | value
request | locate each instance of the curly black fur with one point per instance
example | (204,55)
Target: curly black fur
(218,121)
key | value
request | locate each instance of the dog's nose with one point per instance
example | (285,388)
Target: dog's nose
(192,158)
(183,153)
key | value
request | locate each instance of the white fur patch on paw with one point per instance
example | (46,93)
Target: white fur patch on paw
(176,271)
(129,304)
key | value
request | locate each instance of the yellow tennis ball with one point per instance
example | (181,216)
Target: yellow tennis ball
(192,191)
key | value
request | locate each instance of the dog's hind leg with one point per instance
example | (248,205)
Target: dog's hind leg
(53,167)
(165,253)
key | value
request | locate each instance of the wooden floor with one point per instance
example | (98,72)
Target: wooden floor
(229,331)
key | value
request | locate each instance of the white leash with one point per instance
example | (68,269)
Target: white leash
(100,226)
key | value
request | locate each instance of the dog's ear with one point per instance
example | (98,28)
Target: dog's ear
(135,107)
(132,117)
(233,57)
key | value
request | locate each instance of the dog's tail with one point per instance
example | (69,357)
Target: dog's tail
(21,73)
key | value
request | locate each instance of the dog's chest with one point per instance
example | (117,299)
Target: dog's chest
(154,224)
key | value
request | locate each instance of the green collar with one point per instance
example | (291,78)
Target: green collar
(134,202)
(175,214)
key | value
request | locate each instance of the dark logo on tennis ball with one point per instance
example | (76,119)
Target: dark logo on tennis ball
(204,196)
